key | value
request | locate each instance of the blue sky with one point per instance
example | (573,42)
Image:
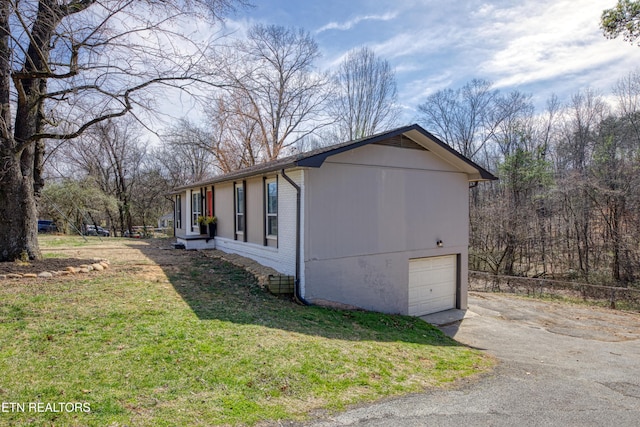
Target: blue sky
(539,47)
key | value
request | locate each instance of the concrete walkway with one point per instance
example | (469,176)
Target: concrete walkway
(449,317)
(559,365)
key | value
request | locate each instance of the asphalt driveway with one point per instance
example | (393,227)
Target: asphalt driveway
(559,365)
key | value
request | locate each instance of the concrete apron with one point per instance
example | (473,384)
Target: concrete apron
(447,317)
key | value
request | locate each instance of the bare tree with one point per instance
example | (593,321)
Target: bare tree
(273,86)
(236,138)
(462,117)
(366,95)
(149,200)
(582,118)
(67,65)
(112,153)
(627,92)
(512,122)
(186,153)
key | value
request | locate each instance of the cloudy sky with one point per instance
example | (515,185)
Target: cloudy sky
(539,47)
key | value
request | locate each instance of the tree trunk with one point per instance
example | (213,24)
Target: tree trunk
(18,212)
(22,155)
(509,254)
(21,179)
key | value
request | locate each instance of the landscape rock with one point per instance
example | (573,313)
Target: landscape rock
(98,264)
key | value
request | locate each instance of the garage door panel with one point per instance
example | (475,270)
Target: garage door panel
(432,306)
(432,284)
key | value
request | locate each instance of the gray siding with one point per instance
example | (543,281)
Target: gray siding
(254,215)
(370,210)
(283,257)
(223,207)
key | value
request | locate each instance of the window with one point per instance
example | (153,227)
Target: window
(178,212)
(196,208)
(240,209)
(272,209)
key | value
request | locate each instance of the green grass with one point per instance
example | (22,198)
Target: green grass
(204,345)
(58,240)
(54,255)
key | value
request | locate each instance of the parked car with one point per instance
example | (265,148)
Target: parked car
(46,226)
(133,234)
(90,230)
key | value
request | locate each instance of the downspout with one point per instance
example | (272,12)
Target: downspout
(297,294)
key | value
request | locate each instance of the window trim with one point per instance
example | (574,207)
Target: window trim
(178,211)
(267,214)
(236,207)
(196,196)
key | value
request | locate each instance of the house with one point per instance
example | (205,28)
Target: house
(166,221)
(380,223)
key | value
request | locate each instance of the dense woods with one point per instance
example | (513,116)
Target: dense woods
(568,203)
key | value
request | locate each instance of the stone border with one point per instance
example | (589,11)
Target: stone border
(99,265)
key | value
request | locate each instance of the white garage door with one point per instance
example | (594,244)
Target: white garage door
(432,284)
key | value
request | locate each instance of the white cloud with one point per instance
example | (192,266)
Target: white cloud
(416,91)
(536,42)
(343,26)
(410,43)
(537,46)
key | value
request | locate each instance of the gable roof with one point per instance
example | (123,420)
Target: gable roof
(315,158)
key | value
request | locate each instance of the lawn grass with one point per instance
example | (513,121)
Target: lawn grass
(200,343)
(58,240)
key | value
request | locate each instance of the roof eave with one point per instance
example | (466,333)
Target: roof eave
(474,171)
(236,176)
(317,160)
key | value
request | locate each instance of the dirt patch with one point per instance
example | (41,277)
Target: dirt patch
(48,264)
